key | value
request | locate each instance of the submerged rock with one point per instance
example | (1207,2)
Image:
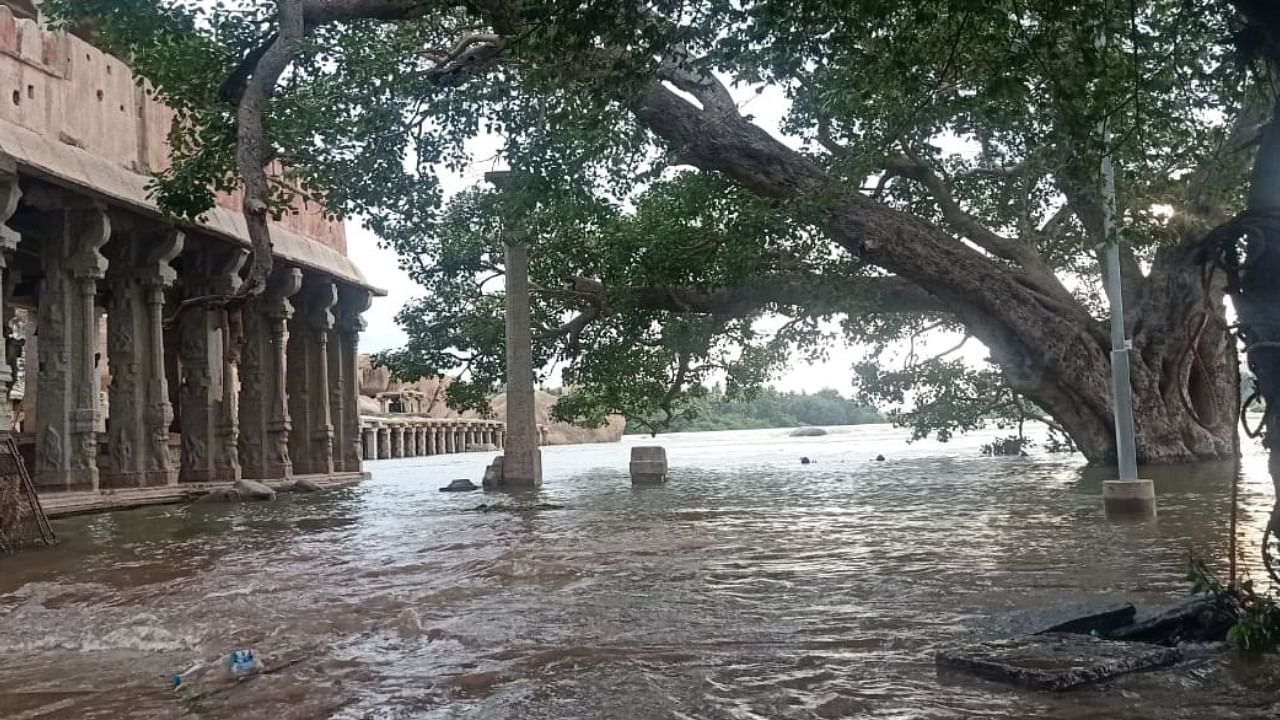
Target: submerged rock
(254,490)
(805,461)
(1056,661)
(879,458)
(1084,617)
(504,507)
(460,485)
(808,432)
(219,495)
(305,485)
(1197,619)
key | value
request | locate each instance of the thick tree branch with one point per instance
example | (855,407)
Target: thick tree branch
(1015,250)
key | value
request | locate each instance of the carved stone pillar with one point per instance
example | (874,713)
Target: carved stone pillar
(384,443)
(10,351)
(264,407)
(138,423)
(501,440)
(67,392)
(310,394)
(450,431)
(344,401)
(209,348)
(370,448)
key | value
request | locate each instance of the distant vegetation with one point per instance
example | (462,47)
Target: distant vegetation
(770,408)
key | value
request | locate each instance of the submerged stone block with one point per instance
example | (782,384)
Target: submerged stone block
(1083,617)
(648,465)
(1056,661)
(1195,619)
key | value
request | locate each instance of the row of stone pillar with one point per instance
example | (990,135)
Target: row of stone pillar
(430,438)
(434,437)
(266,389)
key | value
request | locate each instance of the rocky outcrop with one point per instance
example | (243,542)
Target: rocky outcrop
(253,490)
(808,432)
(560,433)
(219,495)
(460,485)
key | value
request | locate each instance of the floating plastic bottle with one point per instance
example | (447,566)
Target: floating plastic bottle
(227,669)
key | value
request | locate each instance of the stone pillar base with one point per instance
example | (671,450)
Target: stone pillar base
(648,465)
(1129,498)
(114,481)
(519,474)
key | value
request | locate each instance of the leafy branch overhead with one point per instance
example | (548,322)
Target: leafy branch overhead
(940,171)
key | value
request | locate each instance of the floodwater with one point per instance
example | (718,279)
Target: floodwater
(749,587)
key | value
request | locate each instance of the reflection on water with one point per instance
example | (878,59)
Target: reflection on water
(749,587)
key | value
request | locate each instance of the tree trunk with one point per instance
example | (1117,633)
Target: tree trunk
(1047,345)
(1185,374)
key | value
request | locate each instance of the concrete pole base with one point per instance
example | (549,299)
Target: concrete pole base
(1129,498)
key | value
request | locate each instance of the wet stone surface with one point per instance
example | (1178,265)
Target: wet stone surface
(1084,617)
(1055,661)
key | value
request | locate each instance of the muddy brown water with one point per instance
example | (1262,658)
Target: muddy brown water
(749,587)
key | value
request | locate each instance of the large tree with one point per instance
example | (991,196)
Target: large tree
(941,172)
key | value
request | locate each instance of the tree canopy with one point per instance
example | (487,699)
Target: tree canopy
(938,171)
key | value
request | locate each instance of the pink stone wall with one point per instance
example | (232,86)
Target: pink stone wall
(59,86)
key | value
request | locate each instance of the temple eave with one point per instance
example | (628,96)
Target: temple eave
(36,156)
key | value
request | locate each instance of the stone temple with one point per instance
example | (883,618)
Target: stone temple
(104,399)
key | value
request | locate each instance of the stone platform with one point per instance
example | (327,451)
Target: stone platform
(63,504)
(1056,661)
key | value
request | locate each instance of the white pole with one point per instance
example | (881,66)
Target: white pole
(1121,388)
(1128,494)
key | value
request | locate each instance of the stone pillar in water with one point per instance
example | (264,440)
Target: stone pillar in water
(343,359)
(310,415)
(67,388)
(138,424)
(648,465)
(522,463)
(209,347)
(10,351)
(264,406)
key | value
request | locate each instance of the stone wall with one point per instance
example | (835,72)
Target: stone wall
(45,78)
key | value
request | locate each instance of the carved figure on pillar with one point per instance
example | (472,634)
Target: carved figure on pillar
(209,352)
(67,394)
(264,410)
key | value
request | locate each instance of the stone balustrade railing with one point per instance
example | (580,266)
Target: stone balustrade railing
(409,436)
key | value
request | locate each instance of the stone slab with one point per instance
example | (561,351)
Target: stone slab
(1196,619)
(1055,661)
(1084,617)
(64,504)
